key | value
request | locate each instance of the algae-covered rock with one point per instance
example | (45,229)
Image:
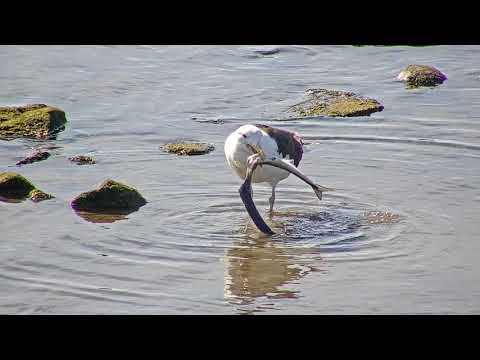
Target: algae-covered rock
(37,196)
(82,160)
(323,102)
(33,121)
(185,148)
(15,186)
(35,157)
(111,196)
(421,75)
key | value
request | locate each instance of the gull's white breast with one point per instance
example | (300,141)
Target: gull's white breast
(237,152)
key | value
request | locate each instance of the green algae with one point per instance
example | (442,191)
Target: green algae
(352,107)
(421,75)
(184,148)
(334,103)
(38,121)
(111,196)
(37,195)
(15,186)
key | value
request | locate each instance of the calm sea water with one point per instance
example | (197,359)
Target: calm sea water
(187,251)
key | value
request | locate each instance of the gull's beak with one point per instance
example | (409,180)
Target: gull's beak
(246,196)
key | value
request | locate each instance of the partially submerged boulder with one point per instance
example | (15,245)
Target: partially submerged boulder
(35,157)
(32,121)
(187,148)
(323,102)
(421,75)
(15,186)
(111,197)
(82,160)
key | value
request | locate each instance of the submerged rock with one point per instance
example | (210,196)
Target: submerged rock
(323,102)
(268,51)
(112,197)
(421,75)
(211,121)
(15,186)
(82,160)
(184,148)
(33,121)
(381,217)
(35,157)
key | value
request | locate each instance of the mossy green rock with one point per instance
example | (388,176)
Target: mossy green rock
(38,121)
(421,75)
(111,196)
(184,148)
(323,102)
(15,186)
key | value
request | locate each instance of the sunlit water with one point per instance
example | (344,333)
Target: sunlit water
(400,234)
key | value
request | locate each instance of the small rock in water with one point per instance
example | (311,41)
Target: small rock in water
(36,156)
(323,102)
(37,196)
(380,217)
(184,148)
(268,51)
(82,160)
(212,121)
(421,75)
(32,121)
(15,186)
(111,197)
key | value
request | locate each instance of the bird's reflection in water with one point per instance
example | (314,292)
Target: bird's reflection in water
(259,269)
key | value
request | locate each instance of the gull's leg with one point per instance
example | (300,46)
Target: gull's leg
(246,226)
(271,200)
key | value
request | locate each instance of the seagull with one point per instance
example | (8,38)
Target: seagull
(264,154)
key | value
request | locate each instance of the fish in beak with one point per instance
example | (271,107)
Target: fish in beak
(245,190)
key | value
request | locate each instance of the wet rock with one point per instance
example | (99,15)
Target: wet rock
(211,121)
(35,157)
(82,160)
(32,121)
(421,75)
(184,148)
(50,147)
(323,102)
(381,217)
(112,197)
(37,196)
(268,51)
(15,186)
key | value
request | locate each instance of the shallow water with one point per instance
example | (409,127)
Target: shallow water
(187,251)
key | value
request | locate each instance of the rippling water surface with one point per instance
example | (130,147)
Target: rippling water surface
(400,234)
